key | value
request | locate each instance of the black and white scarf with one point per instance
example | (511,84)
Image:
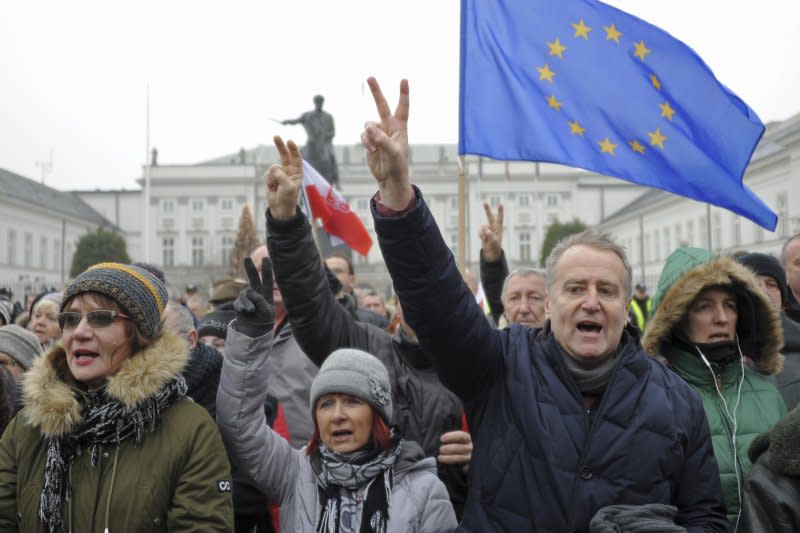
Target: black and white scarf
(106,421)
(366,469)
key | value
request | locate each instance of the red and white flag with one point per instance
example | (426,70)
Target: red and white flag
(328,206)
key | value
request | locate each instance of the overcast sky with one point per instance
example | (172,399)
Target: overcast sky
(73,75)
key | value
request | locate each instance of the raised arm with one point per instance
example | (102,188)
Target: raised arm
(493,265)
(319,323)
(437,304)
(265,456)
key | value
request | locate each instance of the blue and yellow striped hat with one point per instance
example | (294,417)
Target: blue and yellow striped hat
(140,294)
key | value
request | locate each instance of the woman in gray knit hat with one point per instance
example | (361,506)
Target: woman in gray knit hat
(357,474)
(107,440)
(18,349)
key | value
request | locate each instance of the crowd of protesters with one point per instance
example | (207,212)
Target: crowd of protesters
(301,400)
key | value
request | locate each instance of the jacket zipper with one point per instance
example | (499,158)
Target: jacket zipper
(598,411)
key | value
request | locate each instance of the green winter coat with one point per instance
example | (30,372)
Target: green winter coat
(176,479)
(686,273)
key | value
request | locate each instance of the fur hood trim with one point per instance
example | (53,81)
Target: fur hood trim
(684,277)
(51,394)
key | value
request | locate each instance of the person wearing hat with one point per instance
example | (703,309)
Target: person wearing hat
(213,329)
(226,290)
(772,279)
(641,307)
(357,473)
(18,349)
(107,440)
(709,315)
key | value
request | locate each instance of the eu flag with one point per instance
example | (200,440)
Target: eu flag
(581,83)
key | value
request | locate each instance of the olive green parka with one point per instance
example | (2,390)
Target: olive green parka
(177,478)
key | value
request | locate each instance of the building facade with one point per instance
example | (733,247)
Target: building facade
(39,230)
(656,223)
(194,210)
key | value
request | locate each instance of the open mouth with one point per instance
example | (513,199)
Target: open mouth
(342,433)
(85,354)
(589,327)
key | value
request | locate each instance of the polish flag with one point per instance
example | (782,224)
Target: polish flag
(328,206)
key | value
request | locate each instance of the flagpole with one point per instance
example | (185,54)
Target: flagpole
(462,241)
(146,241)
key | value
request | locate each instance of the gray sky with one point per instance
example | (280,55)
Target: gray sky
(73,74)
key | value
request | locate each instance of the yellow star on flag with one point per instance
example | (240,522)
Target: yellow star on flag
(606,146)
(545,73)
(657,138)
(556,48)
(582,30)
(575,128)
(666,110)
(655,82)
(552,102)
(612,34)
(641,50)
(637,146)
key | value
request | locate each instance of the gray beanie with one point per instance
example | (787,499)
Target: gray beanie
(140,294)
(20,344)
(356,373)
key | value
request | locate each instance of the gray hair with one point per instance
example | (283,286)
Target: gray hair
(521,272)
(184,320)
(591,239)
(786,245)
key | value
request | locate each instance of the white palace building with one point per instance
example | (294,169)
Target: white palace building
(194,211)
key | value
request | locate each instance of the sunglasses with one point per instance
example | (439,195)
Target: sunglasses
(101,318)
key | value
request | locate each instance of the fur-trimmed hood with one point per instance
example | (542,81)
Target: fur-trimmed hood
(51,394)
(690,270)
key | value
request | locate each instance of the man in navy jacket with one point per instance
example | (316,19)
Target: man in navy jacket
(566,419)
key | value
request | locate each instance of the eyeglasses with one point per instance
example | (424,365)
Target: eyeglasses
(102,318)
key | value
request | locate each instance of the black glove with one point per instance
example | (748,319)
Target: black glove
(255,315)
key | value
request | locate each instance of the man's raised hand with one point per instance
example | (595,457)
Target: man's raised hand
(386,142)
(491,233)
(284,180)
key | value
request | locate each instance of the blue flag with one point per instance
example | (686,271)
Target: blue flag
(581,83)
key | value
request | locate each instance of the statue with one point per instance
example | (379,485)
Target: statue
(318,150)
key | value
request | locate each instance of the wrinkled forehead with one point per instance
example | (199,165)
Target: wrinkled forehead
(523,282)
(584,264)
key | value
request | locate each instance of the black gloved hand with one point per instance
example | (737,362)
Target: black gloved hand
(255,315)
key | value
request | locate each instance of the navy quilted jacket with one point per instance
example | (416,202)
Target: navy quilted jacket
(541,462)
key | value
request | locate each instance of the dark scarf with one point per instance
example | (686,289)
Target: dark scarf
(591,381)
(106,421)
(720,353)
(368,468)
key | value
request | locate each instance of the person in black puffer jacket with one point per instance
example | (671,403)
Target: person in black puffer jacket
(425,410)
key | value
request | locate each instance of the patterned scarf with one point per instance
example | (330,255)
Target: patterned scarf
(106,421)
(369,470)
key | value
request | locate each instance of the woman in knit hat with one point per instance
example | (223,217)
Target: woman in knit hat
(107,440)
(709,314)
(18,349)
(357,474)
